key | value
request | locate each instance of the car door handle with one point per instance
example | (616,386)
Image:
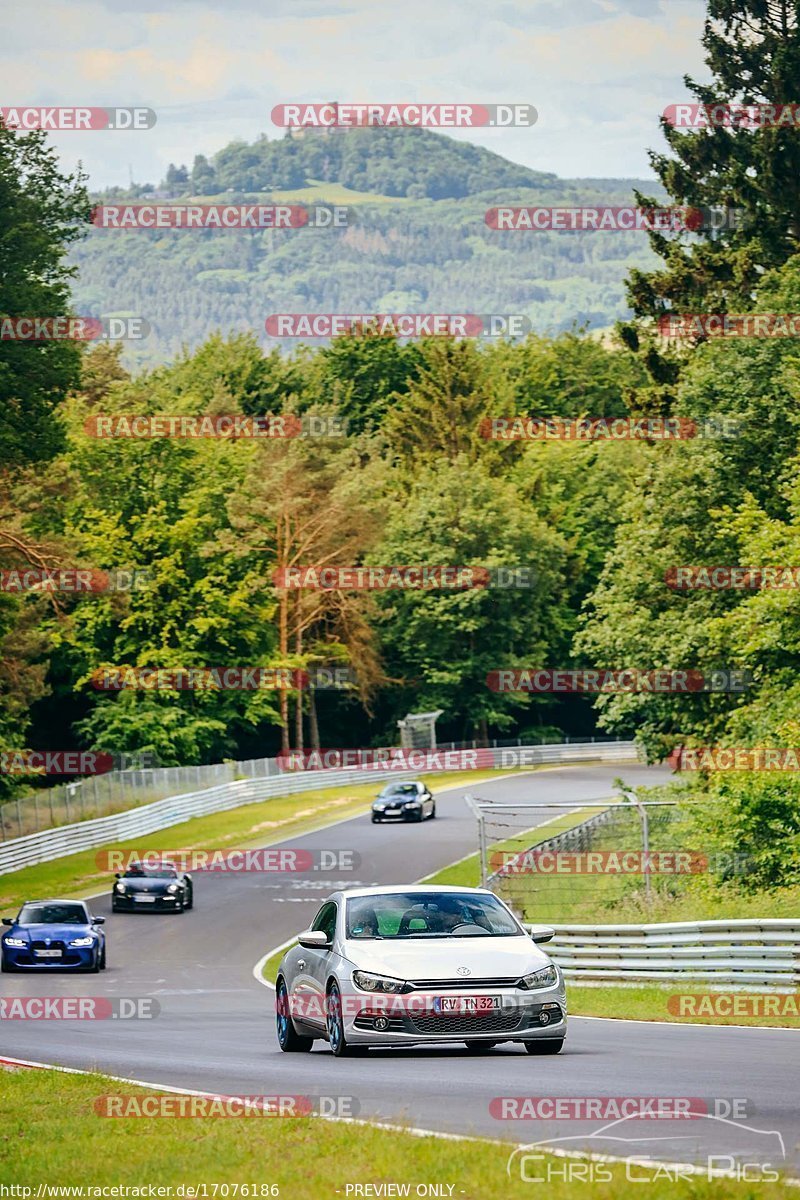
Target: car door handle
(301,962)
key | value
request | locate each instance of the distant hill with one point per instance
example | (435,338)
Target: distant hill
(419,242)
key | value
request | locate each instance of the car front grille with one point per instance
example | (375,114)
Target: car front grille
(68,957)
(500,1021)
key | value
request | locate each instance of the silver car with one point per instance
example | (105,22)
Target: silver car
(396,966)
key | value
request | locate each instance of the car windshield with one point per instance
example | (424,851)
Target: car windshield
(135,871)
(429,915)
(52,914)
(400,789)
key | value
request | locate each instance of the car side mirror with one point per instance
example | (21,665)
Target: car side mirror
(314,939)
(541,933)
(98,920)
(118,876)
(8,920)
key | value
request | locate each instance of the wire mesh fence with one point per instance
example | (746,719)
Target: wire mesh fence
(101,795)
(557,862)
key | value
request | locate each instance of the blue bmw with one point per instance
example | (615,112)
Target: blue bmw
(53,933)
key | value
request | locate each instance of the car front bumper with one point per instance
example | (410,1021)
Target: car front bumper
(402,814)
(153,903)
(408,1019)
(72,958)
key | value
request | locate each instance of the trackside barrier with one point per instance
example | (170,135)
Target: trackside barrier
(149,818)
(750,952)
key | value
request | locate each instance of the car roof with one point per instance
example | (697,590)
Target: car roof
(56,900)
(411,889)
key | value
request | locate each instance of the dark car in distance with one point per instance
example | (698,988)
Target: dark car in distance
(159,888)
(406,800)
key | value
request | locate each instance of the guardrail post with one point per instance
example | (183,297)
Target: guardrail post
(2,823)
(19,817)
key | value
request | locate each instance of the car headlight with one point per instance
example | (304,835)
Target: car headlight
(547,977)
(173,887)
(411,804)
(377,983)
(12,941)
(84,941)
(120,887)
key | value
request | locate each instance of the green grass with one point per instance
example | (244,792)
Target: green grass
(649,1002)
(467,872)
(51,1135)
(251,825)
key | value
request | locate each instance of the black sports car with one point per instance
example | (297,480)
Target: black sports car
(406,801)
(160,889)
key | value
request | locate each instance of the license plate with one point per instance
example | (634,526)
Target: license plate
(145,899)
(47,953)
(466,1004)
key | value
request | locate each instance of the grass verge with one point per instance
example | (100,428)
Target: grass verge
(651,1002)
(251,825)
(301,1157)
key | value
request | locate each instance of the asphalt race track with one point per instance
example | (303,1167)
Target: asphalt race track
(215,1030)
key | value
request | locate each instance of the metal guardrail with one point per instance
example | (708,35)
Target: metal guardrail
(173,810)
(750,952)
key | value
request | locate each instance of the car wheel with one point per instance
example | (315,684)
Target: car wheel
(289,1039)
(189,903)
(334,1022)
(103,959)
(480,1047)
(433,811)
(545,1046)
(6,967)
(417,816)
(95,967)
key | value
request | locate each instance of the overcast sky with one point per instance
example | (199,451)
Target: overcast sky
(598,71)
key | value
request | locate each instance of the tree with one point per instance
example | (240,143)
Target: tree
(42,212)
(753,53)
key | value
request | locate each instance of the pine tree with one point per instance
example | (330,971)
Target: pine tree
(753,53)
